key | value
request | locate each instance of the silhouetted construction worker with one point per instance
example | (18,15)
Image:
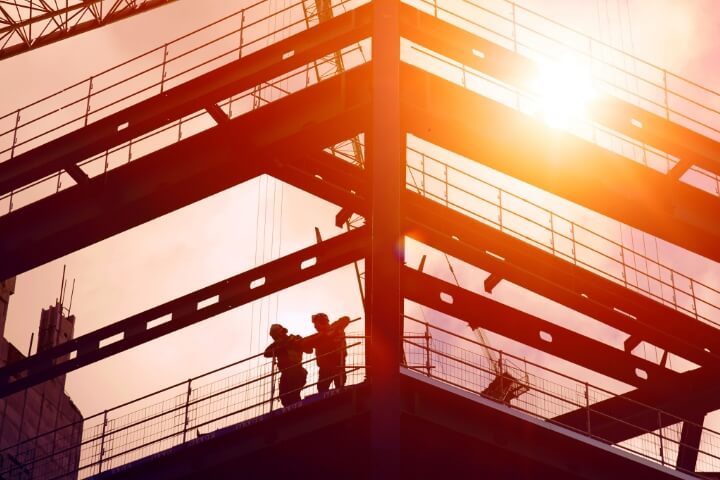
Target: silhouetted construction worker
(288,350)
(330,350)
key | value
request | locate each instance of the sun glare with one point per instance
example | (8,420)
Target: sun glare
(564,89)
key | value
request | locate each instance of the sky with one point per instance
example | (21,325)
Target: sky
(254,222)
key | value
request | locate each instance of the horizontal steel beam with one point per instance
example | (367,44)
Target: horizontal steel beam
(269,140)
(483,312)
(561,281)
(190,97)
(437,110)
(187,310)
(690,396)
(518,71)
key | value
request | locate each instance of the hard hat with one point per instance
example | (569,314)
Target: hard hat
(320,317)
(276,330)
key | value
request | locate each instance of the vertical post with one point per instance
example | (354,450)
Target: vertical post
(514,29)
(272,383)
(694,299)
(447,187)
(660,429)
(15,133)
(164,68)
(386,171)
(428,364)
(662,447)
(242,30)
(87,105)
(500,209)
(499,372)
(587,407)
(665,92)
(102,442)
(187,409)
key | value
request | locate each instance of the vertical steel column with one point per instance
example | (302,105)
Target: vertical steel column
(690,438)
(386,169)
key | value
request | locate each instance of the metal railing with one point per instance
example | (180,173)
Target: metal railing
(151,73)
(228,396)
(460,362)
(567,239)
(619,73)
(169,417)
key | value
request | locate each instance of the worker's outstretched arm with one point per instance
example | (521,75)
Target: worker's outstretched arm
(341,323)
(308,343)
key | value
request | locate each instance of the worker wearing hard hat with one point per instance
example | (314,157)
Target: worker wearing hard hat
(330,350)
(288,351)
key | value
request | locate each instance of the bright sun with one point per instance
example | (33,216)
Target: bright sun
(564,89)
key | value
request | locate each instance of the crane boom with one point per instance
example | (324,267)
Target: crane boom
(29,24)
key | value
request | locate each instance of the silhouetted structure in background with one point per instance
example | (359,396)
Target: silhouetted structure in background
(40,409)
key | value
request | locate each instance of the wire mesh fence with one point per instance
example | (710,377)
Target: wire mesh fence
(248,389)
(165,419)
(564,401)
(567,239)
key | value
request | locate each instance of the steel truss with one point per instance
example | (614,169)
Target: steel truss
(29,24)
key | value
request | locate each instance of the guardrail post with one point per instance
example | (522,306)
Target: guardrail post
(514,29)
(672,282)
(660,429)
(102,441)
(499,371)
(447,188)
(500,209)
(164,70)
(428,364)
(242,29)
(87,105)
(15,132)
(587,407)
(665,92)
(272,384)
(187,409)
(694,300)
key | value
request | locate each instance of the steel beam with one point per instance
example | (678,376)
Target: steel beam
(437,111)
(268,140)
(690,444)
(192,96)
(386,174)
(176,314)
(690,396)
(518,71)
(483,312)
(561,281)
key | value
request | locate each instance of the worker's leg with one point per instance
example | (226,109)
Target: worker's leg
(285,389)
(324,379)
(341,376)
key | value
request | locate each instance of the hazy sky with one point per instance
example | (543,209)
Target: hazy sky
(218,237)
